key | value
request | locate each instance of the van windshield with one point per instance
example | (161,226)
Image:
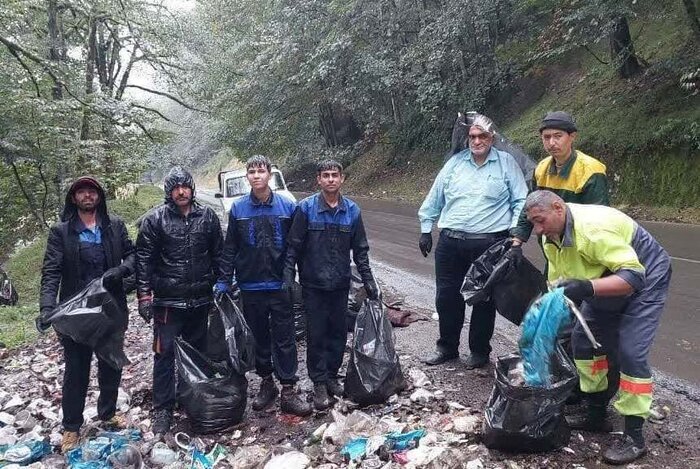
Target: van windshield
(239,185)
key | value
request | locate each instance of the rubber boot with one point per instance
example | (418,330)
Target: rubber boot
(594,418)
(266,394)
(631,447)
(162,419)
(291,402)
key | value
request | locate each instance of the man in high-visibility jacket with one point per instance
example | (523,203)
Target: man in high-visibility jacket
(621,275)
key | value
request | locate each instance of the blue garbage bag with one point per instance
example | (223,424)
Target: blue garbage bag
(23,453)
(540,328)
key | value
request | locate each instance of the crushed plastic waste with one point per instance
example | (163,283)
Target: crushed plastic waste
(24,453)
(95,452)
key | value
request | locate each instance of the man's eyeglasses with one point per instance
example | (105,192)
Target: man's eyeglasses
(484,136)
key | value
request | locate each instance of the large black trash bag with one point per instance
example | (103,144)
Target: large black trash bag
(92,317)
(229,337)
(213,395)
(8,294)
(374,372)
(512,287)
(356,298)
(529,419)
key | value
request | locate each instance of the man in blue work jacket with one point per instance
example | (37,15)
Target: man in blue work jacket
(255,250)
(476,199)
(326,227)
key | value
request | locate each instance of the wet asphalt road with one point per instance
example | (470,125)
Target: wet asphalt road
(393,233)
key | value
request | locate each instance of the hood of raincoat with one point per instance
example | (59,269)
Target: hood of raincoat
(70,210)
(177,176)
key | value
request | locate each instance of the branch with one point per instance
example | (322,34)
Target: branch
(595,56)
(29,72)
(155,111)
(167,95)
(31,56)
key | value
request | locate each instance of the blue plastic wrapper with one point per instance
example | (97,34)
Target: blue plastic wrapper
(93,454)
(23,453)
(354,449)
(542,323)
(401,441)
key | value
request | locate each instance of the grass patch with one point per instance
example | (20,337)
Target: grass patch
(24,269)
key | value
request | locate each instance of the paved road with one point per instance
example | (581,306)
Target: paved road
(393,232)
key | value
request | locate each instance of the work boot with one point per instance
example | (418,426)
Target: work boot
(593,419)
(438,357)
(69,441)
(266,394)
(321,399)
(335,388)
(291,402)
(476,360)
(162,419)
(118,422)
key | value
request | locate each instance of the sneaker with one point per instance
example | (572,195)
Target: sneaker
(438,357)
(321,399)
(335,388)
(266,394)
(624,451)
(69,441)
(118,421)
(291,403)
(162,419)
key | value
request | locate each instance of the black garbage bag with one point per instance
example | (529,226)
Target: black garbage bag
(8,294)
(229,337)
(374,372)
(512,287)
(92,317)
(213,395)
(356,298)
(522,418)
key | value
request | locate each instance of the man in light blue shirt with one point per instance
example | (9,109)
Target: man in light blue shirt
(476,199)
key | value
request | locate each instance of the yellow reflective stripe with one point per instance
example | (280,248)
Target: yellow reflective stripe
(592,376)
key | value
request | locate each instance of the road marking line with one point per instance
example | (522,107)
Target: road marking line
(686,260)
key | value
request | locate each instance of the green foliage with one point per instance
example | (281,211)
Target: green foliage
(132,208)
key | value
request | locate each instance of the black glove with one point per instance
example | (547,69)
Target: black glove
(112,277)
(372,289)
(577,290)
(40,321)
(425,243)
(515,253)
(146,308)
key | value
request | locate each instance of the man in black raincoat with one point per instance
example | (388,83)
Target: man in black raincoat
(86,244)
(179,249)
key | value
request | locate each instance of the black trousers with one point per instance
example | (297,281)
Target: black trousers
(269,315)
(76,379)
(453,257)
(326,331)
(169,323)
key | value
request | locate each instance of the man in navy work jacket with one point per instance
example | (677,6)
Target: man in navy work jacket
(255,250)
(476,198)
(326,227)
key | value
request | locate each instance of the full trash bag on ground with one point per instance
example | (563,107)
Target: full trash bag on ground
(92,317)
(512,286)
(8,294)
(374,372)
(229,337)
(523,418)
(542,325)
(460,130)
(213,395)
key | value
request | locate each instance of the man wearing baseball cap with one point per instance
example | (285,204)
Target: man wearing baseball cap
(86,244)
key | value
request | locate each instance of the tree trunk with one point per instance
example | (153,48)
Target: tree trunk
(693,17)
(89,78)
(622,49)
(55,42)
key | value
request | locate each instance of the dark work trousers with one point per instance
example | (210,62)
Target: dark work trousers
(326,331)
(76,379)
(270,317)
(168,324)
(453,257)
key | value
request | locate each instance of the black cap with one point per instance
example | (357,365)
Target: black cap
(558,120)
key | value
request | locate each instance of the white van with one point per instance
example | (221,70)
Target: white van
(234,184)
